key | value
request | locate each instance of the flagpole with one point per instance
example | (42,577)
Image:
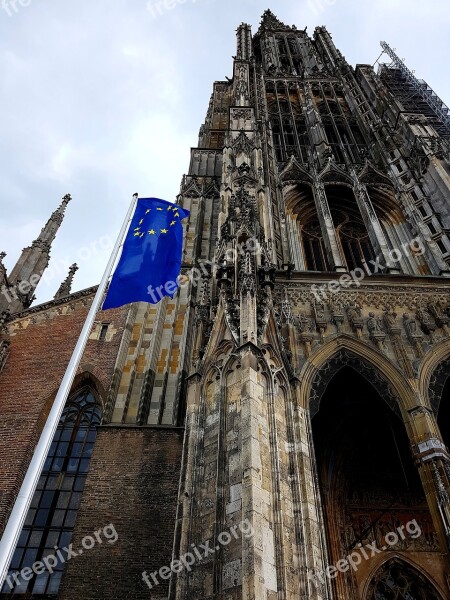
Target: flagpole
(16,520)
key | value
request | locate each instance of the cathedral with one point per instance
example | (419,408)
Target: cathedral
(279,430)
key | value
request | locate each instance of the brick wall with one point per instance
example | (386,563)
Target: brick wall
(133,484)
(41,345)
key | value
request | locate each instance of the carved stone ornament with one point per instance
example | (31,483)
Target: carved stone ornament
(243,144)
(412,329)
(286,316)
(354,314)
(4,353)
(426,321)
(241,113)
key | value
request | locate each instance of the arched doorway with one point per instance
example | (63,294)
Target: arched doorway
(397,580)
(368,482)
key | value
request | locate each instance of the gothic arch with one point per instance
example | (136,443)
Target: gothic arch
(344,358)
(219,358)
(98,376)
(83,379)
(408,576)
(433,374)
(294,174)
(332,174)
(313,376)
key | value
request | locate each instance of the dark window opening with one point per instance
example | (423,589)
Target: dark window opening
(423,211)
(442,247)
(356,245)
(103,332)
(432,228)
(334,142)
(314,248)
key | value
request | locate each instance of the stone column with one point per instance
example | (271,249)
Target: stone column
(328,231)
(374,229)
(433,463)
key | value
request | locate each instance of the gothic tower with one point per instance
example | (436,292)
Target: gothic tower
(320,198)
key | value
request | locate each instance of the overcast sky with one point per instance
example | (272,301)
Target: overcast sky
(104,98)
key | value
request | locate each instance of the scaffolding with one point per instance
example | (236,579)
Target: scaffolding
(415,95)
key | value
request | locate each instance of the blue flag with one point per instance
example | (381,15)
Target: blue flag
(150,263)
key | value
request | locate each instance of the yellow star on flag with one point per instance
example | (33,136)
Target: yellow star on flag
(159,209)
(173,223)
(163,230)
(152,232)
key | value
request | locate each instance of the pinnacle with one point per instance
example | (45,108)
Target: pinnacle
(270,21)
(66,199)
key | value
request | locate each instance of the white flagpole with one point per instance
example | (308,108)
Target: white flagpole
(16,520)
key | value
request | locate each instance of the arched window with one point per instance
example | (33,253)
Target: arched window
(314,248)
(355,244)
(397,580)
(52,514)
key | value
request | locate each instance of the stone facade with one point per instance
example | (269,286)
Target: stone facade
(306,355)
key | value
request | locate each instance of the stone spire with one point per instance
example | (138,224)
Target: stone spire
(66,285)
(18,290)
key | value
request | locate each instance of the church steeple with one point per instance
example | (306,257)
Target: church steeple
(17,289)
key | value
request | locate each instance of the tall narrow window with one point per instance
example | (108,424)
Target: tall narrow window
(315,252)
(51,517)
(278,141)
(356,245)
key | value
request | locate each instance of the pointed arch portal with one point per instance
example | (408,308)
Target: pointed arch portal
(368,483)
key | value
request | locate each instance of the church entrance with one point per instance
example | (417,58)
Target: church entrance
(372,497)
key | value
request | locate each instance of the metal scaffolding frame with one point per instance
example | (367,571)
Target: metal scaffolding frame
(420,87)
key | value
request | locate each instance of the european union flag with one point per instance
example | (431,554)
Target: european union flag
(150,263)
